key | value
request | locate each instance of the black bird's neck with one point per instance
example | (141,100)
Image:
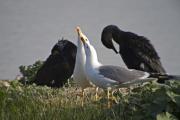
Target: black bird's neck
(118,36)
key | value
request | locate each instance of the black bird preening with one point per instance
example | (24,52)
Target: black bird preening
(59,66)
(136,51)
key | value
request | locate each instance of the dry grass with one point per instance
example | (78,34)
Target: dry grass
(150,101)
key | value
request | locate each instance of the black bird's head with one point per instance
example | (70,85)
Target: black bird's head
(108,35)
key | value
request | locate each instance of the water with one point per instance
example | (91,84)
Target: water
(29,28)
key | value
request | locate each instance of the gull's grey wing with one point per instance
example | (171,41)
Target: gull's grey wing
(121,74)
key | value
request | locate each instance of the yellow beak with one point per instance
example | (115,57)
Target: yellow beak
(81,35)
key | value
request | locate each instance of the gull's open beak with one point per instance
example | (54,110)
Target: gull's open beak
(81,35)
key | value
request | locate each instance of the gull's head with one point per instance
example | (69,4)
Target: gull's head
(81,36)
(89,49)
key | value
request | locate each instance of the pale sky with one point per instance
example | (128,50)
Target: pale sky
(30,28)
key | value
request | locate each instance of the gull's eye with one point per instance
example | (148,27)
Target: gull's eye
(81,38)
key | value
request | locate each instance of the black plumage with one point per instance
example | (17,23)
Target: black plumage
(59,66)
(136,51)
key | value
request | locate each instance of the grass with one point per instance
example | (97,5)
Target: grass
(31,102)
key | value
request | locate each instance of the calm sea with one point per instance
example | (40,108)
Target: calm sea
(30,28)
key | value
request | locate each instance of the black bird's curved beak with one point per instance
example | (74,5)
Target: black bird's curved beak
(115,50)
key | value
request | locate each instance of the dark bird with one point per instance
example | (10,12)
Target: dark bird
(59,66)
(136,51)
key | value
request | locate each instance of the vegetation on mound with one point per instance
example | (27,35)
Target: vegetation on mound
(21,99)
(151,101)
(29,72)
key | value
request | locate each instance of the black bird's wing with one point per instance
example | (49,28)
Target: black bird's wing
(144,51)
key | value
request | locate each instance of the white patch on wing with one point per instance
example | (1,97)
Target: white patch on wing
(142,66)
(130,69)
(145,75)
(115,45)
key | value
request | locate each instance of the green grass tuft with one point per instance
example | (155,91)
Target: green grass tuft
(151,101)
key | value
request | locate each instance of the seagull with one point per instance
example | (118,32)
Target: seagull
(59,66)
(136,51)
(109,76)
(79,72)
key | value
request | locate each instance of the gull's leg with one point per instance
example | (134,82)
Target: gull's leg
(96,95)
(113,97)
(108,93)
(108,89)
(82,101)
(112,94)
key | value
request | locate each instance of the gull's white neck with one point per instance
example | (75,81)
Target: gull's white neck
(91,57)
(80,58)
(80,51)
